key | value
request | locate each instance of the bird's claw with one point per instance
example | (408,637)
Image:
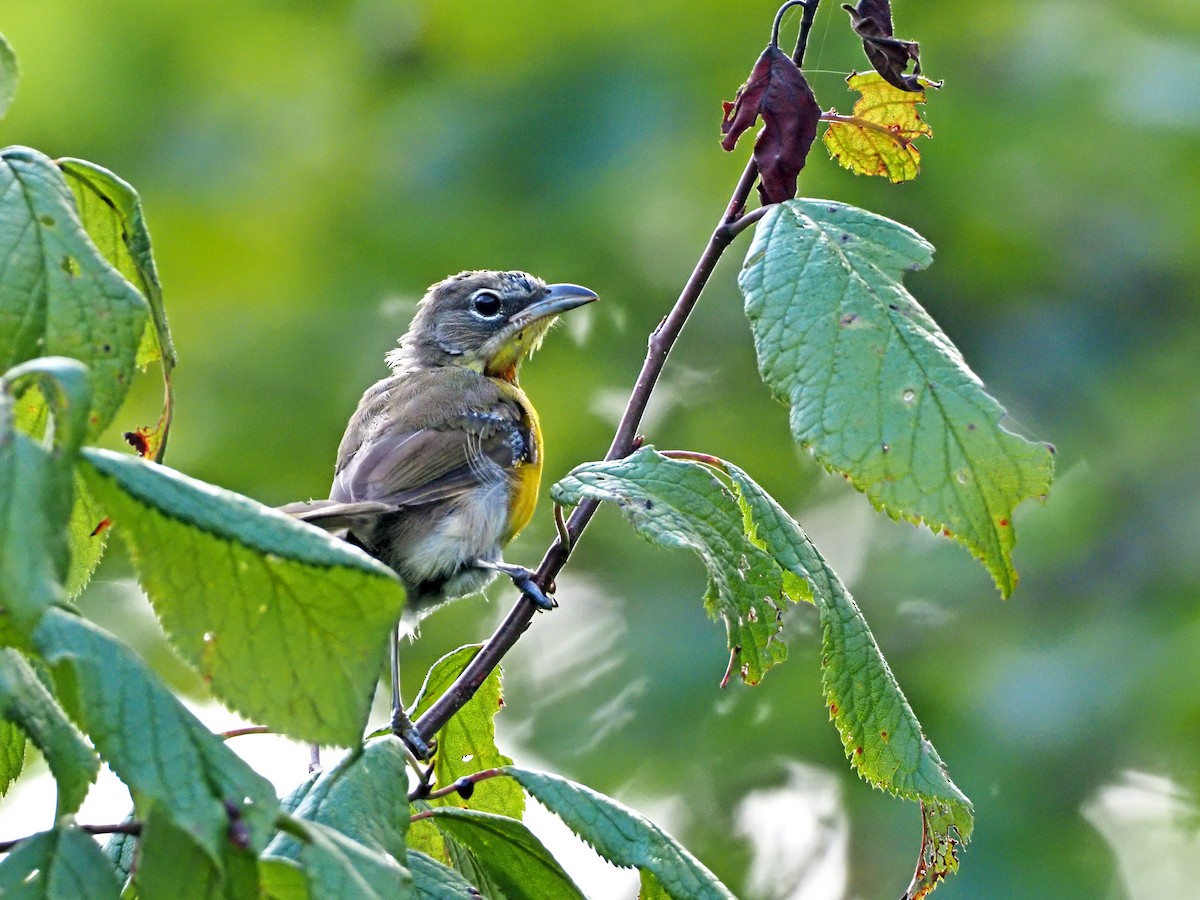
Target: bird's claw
(523,579)
(404,729)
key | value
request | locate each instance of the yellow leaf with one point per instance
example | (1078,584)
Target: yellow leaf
(877,138)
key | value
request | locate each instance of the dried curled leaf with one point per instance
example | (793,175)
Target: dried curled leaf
(777,91)
(872,21)
(877,138)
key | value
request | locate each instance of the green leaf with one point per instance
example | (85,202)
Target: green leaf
(9,75)
(650,888)
(63,864)
(87,534)
(876,389)
(12,754)
(508,852)
(287,624)
(434,881)
(364,797)
(59,295)
(622,836)
(111,212)
(121,850)
(881,735)
(338,866)
(171,864)
(35,493)
(25,701)
(467,743)
(679,504)
(169,760)
(282,879)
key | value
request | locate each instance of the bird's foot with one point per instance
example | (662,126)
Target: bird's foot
(404,729)
(523,579)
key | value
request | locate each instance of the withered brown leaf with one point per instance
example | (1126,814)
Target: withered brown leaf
(872,21)
(777,91)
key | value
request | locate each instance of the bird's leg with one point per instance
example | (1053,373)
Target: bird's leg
(402,725)
(523,579)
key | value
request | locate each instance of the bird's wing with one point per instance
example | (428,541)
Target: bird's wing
(409,468)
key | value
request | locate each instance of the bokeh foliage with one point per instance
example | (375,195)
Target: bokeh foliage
(307,168)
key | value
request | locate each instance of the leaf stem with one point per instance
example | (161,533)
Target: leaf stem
(249,729)
(733,221)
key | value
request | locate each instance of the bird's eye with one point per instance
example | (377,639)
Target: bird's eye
(486,305)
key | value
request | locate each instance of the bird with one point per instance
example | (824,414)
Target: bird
(440,464)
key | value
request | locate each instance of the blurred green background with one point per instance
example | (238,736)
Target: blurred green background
(308,168)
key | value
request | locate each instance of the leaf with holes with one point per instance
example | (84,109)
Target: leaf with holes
(877,391)
(111,212)
(881,735)
(679,504)
(60,296)
(286,623)
(879,136)
(467,743)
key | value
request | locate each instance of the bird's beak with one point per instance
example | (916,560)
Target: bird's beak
(558,299)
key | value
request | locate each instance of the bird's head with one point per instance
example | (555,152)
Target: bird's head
(486,321)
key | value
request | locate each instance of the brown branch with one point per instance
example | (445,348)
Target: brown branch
(662,339)
(134,828)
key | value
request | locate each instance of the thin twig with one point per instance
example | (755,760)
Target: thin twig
(134,828)
(662,339)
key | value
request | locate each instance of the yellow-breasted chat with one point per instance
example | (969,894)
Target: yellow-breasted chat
(440,464)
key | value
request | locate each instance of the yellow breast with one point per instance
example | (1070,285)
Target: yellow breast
(526,476)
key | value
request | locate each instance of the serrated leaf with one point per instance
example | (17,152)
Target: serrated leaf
(434,881)
(876,390)
(35,492)
(169,760)
(467,743)
(364,797)
(622,836)
(338,866)
(62,864)
(25,700)
(59,295)
(679,504)
(508,852)
(111,212)
(12,754)
(287,624)
(878,137)
(9,75)
(880,734)
(87,533)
